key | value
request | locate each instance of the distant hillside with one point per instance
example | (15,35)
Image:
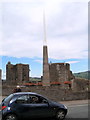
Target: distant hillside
(35,79)
(85,75)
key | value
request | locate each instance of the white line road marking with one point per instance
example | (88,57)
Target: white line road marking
(78,105)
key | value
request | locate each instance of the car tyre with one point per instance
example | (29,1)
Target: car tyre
(10,117)
(60,115)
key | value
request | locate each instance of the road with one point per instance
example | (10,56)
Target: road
(78,111)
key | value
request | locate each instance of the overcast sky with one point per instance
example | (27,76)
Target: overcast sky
(66,32)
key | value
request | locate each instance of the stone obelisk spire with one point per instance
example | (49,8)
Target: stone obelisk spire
(46,79)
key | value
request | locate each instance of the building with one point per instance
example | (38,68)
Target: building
(16,74)
(60,73)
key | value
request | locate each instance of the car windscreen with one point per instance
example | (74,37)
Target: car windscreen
(7,99)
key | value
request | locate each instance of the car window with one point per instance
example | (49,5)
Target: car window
(23,99)
(37,100)
(7,99)
(43,100)
(34,99)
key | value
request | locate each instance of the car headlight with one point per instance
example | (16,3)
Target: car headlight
(65,106)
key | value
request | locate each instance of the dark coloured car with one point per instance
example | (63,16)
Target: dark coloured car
(24,105)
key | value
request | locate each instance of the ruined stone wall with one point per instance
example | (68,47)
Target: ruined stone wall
(19,73)
(16,74)
(80,84)
(60,72)
(9,73)
(25,73)
(53,92)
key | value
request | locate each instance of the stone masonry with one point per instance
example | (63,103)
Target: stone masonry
(52,92)
(16,74)
(46,78)
(60,72)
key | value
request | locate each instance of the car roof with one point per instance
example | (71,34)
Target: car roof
(23,93)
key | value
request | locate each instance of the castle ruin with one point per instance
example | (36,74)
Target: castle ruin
(16,74)
(60,73)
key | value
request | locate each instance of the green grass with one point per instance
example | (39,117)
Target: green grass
(85,75)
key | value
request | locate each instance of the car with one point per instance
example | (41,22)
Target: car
(24,105)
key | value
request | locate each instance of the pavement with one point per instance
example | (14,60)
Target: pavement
(74,102)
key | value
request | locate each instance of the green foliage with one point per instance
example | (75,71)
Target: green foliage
(35,79)
(85,75)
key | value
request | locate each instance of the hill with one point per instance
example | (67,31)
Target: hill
(85,75)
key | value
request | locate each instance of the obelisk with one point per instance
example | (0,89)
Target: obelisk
(46,79)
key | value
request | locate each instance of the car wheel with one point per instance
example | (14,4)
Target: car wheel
(60,115)
(10,117)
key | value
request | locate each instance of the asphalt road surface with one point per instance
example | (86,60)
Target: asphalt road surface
(78,111)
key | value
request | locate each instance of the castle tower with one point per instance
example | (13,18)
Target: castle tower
(46,79)
(17,74)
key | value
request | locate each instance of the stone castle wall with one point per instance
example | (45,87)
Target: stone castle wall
(60,72)
(80,84)
(53,92)
(16,74)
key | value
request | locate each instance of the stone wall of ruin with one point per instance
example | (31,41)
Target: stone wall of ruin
(80,84)
(16,74)
(60,72)
(53,92)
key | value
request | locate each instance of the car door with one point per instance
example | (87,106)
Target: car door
(32,106)
(21,106)
(39,107)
